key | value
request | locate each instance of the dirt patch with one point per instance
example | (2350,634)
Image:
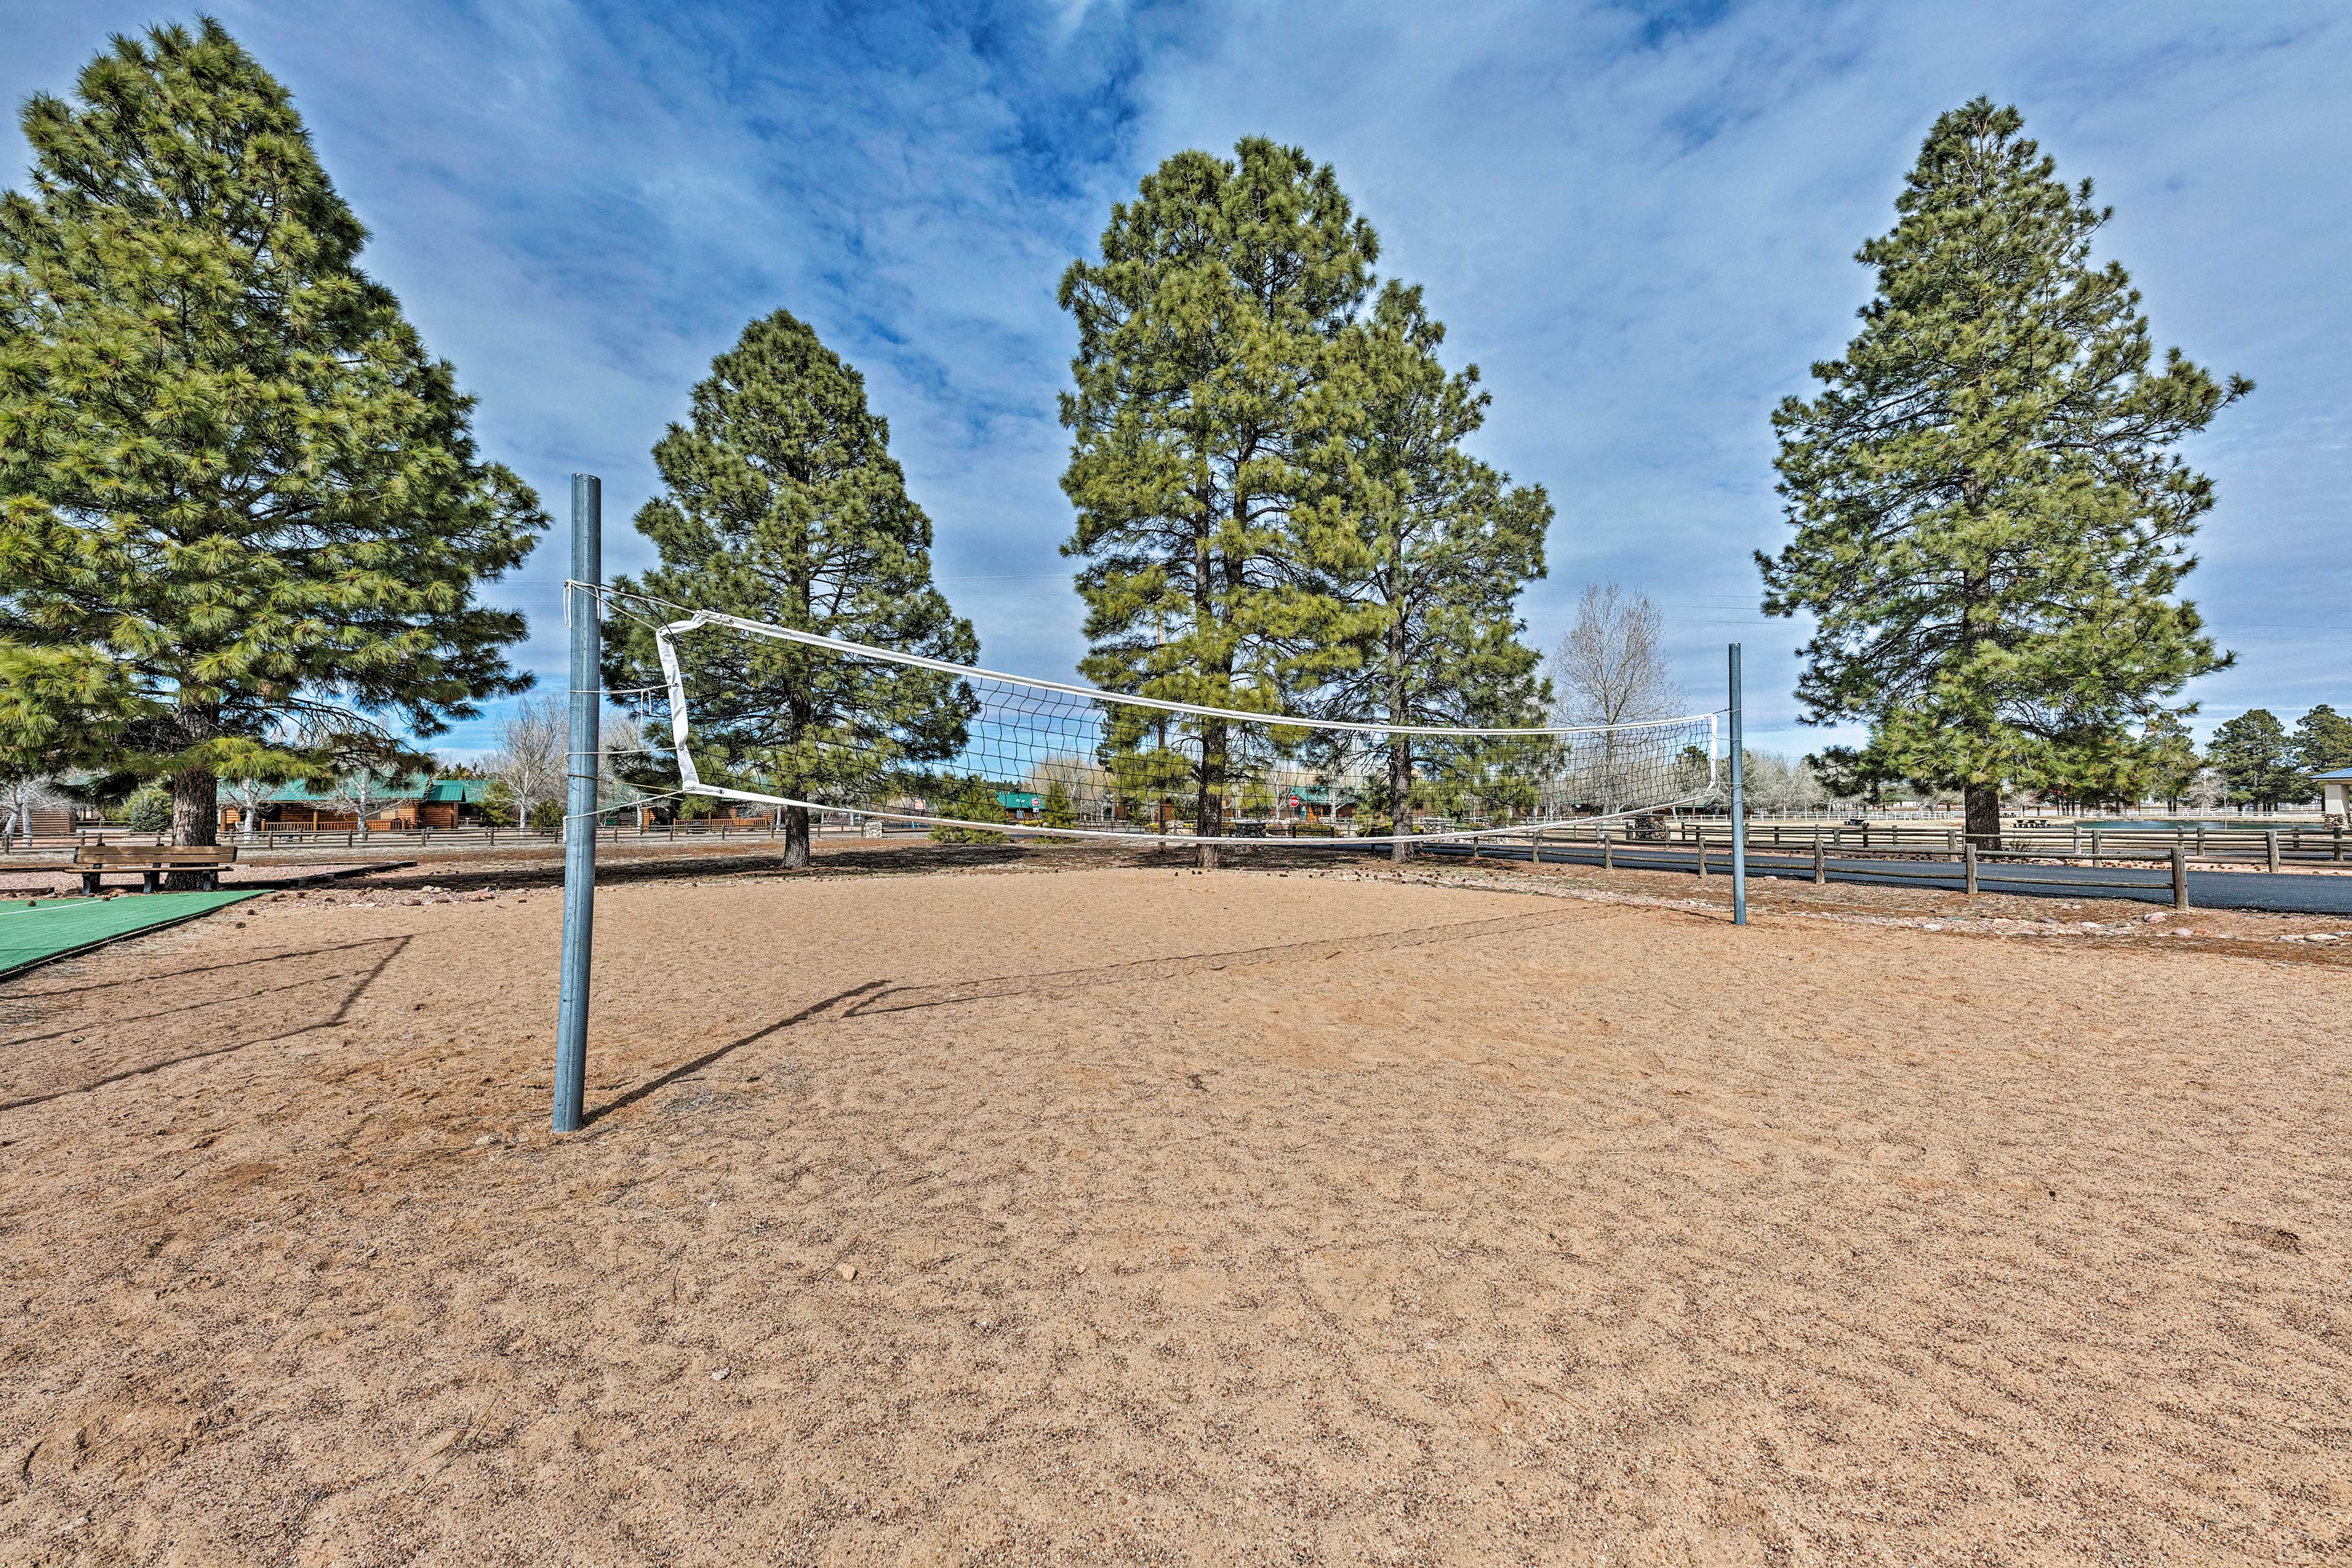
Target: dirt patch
(1147,1215)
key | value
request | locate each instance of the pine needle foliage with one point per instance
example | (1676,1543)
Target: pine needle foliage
(2257,761)
(1448,542)
(2167,760)
(1205,463)
(783,505)
(1991,521)
(2322,741)
(242,516)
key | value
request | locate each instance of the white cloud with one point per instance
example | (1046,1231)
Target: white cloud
(1641,232)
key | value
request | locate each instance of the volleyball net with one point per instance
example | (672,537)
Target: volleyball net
(770,716)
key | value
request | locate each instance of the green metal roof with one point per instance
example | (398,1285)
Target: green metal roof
(462,792)
(1017,799)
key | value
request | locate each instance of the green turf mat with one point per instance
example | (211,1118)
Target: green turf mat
(35,932)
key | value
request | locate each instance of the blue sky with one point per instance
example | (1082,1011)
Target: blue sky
(1639,221)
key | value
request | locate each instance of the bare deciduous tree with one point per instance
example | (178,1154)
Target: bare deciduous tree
(621,741)
(1611,667)
(362,790)
(248,795)
(532,743)
(19,799)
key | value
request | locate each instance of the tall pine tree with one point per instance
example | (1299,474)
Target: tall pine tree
(2167,760)
(1992,523)
(238,500)
(1204,460)
(784,505)
(2257,761)
(1449,545)
(2322,741)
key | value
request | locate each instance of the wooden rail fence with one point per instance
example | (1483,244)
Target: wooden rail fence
(2308,843)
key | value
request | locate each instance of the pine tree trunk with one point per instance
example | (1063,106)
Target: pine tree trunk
(1983,816)
(1209,809)
(1981,807)
(195,822)
(796,818)
(1400,792)
(195,799)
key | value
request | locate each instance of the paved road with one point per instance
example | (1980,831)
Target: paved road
(2284,892)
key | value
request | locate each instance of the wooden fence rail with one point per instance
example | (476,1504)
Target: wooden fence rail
(2309,843)
(1969,875)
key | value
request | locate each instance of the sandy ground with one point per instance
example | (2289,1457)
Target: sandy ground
(1143,1216)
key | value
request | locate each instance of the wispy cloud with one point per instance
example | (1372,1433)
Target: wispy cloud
(1639,220)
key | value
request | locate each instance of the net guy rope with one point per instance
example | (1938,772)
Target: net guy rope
(996,752)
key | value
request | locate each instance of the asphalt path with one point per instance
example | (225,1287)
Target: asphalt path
(2283,892)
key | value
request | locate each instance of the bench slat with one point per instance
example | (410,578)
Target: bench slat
(110,857)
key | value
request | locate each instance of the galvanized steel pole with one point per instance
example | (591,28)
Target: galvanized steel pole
(1739,806)
(581,608)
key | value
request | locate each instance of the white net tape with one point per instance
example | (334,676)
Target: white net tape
(906,739)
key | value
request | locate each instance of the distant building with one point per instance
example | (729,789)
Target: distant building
(1316,803)
(2334,789)
(413,801)
(1020,805)
(453,803)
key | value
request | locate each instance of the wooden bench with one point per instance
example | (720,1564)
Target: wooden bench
(94,862)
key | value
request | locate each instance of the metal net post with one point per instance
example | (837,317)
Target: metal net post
(579,812)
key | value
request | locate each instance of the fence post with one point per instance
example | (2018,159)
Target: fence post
(579,771)
(1820,870)
(1702,856)
(2095,846)
(1608,860)
(2180,878)
(2339,844)
(1969,859)
(2270,845)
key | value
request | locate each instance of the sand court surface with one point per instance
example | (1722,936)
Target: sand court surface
(1141,1216)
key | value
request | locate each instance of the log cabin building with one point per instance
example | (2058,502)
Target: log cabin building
(402,804)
